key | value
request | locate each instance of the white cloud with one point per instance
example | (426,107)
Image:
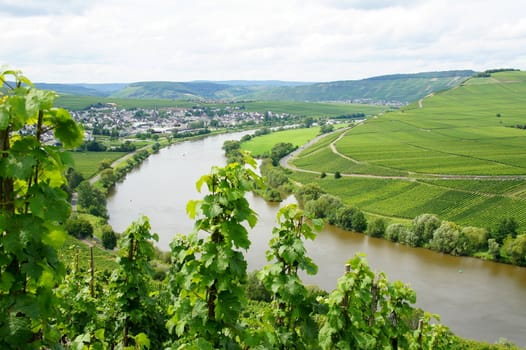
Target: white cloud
(311,40)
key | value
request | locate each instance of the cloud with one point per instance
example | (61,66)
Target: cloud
(311,40)
(43,8)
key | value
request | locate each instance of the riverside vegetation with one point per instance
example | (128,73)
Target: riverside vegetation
(458,161)
(202,303)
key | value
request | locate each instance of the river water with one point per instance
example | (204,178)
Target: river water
(476,299)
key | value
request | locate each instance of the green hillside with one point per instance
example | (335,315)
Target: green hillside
(398,89)
(394,89)
(457,154)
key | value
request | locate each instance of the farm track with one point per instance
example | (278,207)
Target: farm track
(284,162)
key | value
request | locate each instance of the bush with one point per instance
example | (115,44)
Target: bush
(337,175)
(445,238)
(396,232)
(376,228)
(109,238)
(423,227)
(78,227)
(472,240)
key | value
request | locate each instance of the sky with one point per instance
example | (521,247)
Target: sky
(120,41)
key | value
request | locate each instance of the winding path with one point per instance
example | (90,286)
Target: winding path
(284,162)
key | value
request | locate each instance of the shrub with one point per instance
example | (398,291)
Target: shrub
(109,238)
(394,232)
(445,238)
(376,228)
(78,227)
(423,227)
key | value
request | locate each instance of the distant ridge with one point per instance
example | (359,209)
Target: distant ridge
(395,89)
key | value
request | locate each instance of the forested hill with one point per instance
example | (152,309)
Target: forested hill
(398,89)
(387,89)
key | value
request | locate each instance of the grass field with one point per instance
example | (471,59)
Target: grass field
(465,133)
(261,145)
(87,163)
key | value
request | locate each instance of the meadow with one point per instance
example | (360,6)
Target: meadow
(460,156)
(87,163)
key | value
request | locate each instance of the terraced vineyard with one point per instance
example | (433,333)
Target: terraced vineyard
(457,154)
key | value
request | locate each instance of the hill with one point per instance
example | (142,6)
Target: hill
(396,90)
(460,154)
(100,90)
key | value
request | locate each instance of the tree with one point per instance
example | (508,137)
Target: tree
(79,227)
(506,227)
(376,228)
(33,207)
(74,178)
(327,128)
(394,232)
(516,250)
(105,164)
(445,238)
(308,121)
(109,238)
(471,240)
(280,150)
(92,199)
(351,219)
(423,227)
(308,192)
(324,207)
(337,175)
(107,177)
(359,222)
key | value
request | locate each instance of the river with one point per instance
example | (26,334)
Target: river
(476,299)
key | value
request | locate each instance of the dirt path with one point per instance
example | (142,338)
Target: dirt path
(284,162)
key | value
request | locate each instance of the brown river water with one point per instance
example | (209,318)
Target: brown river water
(476,299)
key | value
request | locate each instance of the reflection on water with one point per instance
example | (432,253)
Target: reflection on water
(477,299)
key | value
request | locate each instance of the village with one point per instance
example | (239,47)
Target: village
(110,120)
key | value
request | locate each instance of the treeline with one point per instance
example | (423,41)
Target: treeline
(487,73)
(351,116)
(95,146)
(501,243)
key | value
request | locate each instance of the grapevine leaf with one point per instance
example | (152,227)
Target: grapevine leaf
(65,128)
(6,280)
(191,208)
(55,238)
(4,118)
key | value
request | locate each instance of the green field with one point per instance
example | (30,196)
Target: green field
(262,145)
(459,156)
(87,163)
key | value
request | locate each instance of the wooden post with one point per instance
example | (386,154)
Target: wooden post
(92,268)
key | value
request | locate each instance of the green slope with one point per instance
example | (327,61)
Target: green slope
(460,154)
(394,89)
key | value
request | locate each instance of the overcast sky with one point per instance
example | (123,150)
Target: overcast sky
(302,40)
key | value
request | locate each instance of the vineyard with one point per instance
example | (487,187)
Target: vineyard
(459,155)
